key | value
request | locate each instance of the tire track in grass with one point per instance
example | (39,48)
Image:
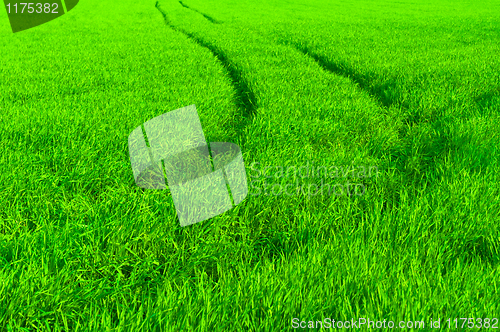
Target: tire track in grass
(331,68)
(386,96)
(246,100)
(211,19)
(387,100)
(272,55)
(379,94)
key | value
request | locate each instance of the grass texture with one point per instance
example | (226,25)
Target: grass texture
(398,99)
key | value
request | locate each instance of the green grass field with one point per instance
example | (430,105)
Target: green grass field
(407,91)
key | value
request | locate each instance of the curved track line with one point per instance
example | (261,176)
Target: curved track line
(344,70)
(211,19)
(363,81)
(246,100)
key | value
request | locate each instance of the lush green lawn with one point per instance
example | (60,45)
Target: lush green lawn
(409,92)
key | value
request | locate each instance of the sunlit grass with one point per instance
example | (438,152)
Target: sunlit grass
(411,90)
